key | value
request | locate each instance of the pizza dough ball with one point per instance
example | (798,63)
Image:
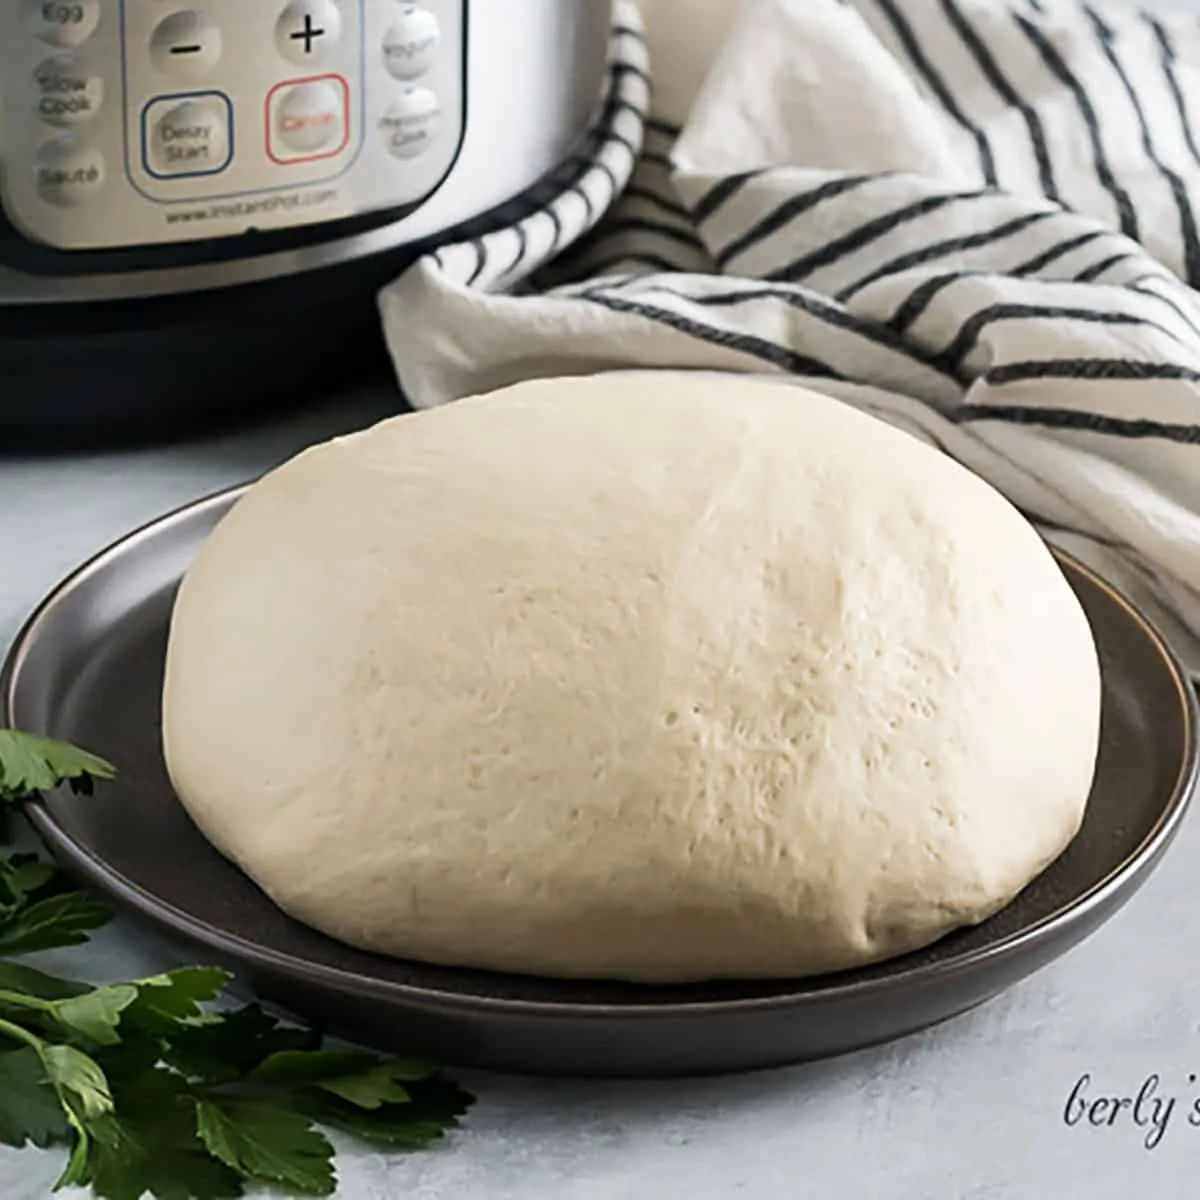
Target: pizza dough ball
(649,676)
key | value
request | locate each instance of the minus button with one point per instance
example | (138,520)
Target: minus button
(185,46)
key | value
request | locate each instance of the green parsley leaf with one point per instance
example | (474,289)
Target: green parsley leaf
(79,1081)
(30,764)
(232,1047)
(165,1003)
(30,1110)
(154,1092)
(268,1144)
(26,981)
(21,876)
(149,1144)
(96,1014)
(433,1108)
(364,1080)
(52,923)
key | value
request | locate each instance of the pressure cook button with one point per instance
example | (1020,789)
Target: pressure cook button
(68,173)
(308,31)
(185,45)
(410,45)
(191,138)
(62,22)
(310,120)
(68,91)
(409,125)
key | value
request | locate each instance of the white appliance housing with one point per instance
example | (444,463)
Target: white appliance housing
(159,147)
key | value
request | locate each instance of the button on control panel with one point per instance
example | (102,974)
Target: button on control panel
(142,122)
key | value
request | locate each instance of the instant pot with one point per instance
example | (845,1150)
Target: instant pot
(199,201)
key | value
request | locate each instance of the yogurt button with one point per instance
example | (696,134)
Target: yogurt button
(62,22)
(410,123)
(68,91)
(410,44)
(69,173)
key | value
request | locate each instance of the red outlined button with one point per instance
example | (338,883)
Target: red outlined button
(308,119)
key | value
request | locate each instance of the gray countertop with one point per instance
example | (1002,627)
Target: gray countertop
(972,1109)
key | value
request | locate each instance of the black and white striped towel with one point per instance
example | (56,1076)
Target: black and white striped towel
(977,219)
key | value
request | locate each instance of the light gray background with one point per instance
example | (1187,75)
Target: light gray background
(973,1109)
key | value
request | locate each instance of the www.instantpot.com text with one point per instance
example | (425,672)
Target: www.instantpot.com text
(250,208)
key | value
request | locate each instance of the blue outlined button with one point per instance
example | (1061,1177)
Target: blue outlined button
(187,135)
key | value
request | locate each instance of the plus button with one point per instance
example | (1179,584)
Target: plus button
(307,31)
(308,34)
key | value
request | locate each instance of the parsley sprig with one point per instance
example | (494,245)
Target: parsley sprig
(150,1088)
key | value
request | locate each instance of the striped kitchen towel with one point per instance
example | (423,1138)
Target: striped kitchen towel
(977,219)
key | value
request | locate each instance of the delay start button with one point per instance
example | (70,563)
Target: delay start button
(69,92)
(191,136)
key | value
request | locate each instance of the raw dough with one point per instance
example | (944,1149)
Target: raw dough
(650,676)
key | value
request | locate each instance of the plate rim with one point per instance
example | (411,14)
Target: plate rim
(98,873)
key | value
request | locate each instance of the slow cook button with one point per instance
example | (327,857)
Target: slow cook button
(68,91)
(409,124)
(410,44)
(68,173)
(191,138)
(310,120)
(62,22)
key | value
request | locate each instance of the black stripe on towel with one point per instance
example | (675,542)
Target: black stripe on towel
(1169,56)
(968,335)
(788,211)
(1088,422)
(867,233)
(929,73)
(1058,68)
(742,343)
(991,70)
(822,310)
(680,234)
(719,194)
(1092,273)
(1137,286)
(667,204)
(1092,369)
(602,266)
(919,300)
(1187,219)
(916,258)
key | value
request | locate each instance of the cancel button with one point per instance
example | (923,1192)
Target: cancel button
(191,138)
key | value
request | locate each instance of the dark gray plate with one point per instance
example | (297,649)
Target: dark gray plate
(88,668)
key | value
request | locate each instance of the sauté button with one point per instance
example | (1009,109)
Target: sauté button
(185,46)
(68,91)
(62,22)
(69,172)
(309,118)
(409,124)
(410,44)
(190,138)
(308,31)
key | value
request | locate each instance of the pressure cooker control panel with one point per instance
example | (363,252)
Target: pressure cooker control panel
(142,122)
